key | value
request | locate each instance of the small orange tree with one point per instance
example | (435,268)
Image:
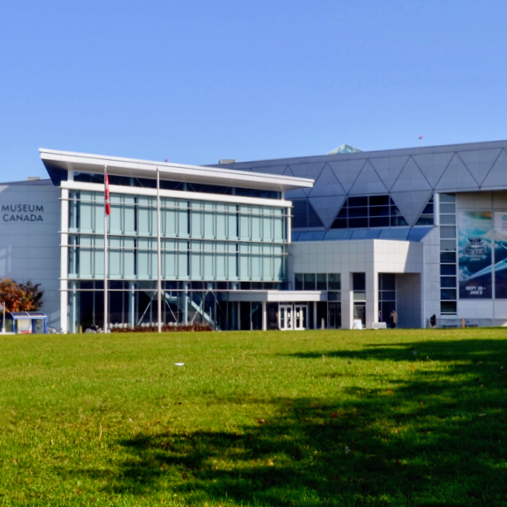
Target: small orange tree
(20,297)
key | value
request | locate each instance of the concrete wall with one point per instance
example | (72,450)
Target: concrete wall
(29,239)
(364,256)
(409,300)
(431,276)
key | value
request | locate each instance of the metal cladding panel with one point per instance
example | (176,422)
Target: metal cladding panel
(456,177)
(293,194)
(433,165)
(327,185)
(327,208)
(347,171)
(311,171)
(479,162)
(497,177)
(411,179)
(388,168)
(280,169)
(30,222)
(411,204)
(368,182)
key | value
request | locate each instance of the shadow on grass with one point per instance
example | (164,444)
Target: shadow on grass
(432,438)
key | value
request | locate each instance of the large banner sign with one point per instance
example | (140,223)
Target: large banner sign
(475,259)
(500,254)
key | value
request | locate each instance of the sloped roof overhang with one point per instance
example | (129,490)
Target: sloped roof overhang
(89,163)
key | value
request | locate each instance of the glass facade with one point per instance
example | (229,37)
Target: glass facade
(369,211)
(448,260)
(207,249)
(201,240)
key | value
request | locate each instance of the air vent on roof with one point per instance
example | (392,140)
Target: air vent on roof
(34,178)
(227,161)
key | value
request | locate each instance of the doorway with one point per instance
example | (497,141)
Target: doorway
(300,316)
(285,317)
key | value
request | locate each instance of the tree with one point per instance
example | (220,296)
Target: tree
(20,297)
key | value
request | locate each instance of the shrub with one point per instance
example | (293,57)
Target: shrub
(20,297)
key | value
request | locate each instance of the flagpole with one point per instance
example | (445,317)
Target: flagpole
(159,257)
(106,207)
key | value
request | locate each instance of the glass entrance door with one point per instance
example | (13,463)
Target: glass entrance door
(285,317)
(300,314)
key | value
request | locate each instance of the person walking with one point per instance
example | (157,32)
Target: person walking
(433,321)
(393,319)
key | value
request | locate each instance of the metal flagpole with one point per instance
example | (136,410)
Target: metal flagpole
(159,257)
(107,210)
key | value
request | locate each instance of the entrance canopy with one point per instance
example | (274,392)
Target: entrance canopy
(284,296)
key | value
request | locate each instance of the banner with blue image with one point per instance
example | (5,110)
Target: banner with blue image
(501,254)
(475,255)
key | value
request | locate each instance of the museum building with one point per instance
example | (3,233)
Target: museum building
(311,242)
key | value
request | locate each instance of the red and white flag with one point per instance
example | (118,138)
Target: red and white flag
(106,196)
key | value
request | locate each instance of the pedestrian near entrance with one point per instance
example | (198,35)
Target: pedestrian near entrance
(433,320)
(393,319)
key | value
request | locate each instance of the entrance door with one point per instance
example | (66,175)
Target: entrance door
(285,317)
(300,314)
(335,315)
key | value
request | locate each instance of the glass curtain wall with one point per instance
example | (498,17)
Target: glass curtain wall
(207,248)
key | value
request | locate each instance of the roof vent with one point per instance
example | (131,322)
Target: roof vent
(34,178)
(224,161)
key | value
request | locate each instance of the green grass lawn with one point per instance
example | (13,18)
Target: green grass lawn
(255,419)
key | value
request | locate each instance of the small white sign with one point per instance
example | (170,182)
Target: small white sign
(2,307)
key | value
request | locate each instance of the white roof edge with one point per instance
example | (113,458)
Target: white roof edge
(189,173)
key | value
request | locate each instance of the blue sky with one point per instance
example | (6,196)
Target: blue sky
(195,81)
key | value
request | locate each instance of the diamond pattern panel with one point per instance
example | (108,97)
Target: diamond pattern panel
(327,208)
(498,175)
(410,179)
(347,171)
(433,165)
(327,184)
(388,168)
(368,182)
(311,171)
(456,177)
(411,204)
(479,162)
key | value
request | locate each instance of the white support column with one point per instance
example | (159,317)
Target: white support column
(73,312)
(264,316)
(347,300)
(64,261)
(371,298)
(315,323)
(185,303)
(132,305)
(289,225)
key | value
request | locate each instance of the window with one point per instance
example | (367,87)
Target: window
(426,217)
(304,216)
(369,211)
(448,261)
(319,281)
